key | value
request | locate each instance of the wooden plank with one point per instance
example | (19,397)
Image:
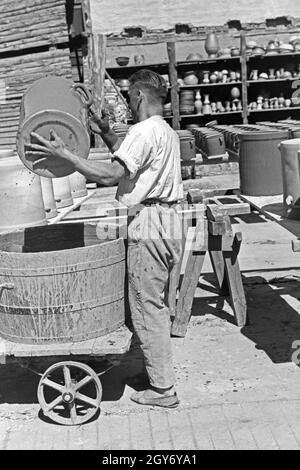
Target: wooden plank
(115,343)
(218,264)
(174,85)
(67,210)
(235,283)
(32,23)
(188,287)
(187,293)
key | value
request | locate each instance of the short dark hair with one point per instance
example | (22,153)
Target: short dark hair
(150,81)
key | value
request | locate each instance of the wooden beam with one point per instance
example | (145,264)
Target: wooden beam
(174,84)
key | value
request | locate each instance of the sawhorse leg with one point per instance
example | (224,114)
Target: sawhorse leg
(223,250)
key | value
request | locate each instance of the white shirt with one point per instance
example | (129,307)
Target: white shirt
(151,154)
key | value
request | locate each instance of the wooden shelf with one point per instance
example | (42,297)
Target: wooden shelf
(279,55)
(204,85)
(132,68)
(207,61)
(280,80)
(274,110)
(212,114)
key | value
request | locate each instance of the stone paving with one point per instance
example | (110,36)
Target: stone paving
(238,388)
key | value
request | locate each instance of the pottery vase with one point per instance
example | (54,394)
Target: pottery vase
(213,78)
(207,106)
(206,78)
(254,75)
(213,108)
(227,106)
(212,45)
(272,75)
(281,101)
(233,76)
(198,103)
(235,93)
(288,103)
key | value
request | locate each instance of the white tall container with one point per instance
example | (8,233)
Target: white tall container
(62,192)
(78,185)
(48,197)
(21,200)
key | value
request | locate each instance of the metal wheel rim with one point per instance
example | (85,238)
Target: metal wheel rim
(70,389)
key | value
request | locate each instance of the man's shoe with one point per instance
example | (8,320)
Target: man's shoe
(149,398)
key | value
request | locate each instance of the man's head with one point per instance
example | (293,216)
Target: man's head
(147,92)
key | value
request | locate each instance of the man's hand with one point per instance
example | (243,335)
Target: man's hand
(99,124)
(45,149)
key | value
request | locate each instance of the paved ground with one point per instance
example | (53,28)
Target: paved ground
(239,389)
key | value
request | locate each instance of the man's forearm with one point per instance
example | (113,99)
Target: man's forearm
(100,172)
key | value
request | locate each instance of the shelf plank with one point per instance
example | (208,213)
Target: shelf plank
(208,61)
(213,114)
(273,80)
(292,108)
(133,67)
(204,85)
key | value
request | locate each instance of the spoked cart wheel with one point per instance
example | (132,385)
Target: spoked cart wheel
(69,393)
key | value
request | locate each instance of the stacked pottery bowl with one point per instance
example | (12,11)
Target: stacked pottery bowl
(186,102)
(167,110)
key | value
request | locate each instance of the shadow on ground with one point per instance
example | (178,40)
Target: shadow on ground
(273,324)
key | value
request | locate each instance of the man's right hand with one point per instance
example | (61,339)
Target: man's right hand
(99,124)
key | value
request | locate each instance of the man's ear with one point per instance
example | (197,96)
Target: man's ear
(141,95)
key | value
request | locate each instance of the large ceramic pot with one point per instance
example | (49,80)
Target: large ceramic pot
(21,202)
(59,104)
(212,45)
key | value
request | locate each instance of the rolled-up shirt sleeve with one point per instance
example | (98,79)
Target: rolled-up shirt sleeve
(135,151)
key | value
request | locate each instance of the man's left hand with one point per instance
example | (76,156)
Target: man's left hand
(45,149)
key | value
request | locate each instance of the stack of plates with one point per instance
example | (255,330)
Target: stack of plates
(168,110)
(186,102)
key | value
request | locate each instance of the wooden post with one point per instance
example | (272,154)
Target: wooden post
(244,77)
(96,60)
(174,84)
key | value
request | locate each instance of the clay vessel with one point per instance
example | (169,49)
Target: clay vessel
(59,104)
(21,202)
(212,45)
(78,185)
(62,192)
(48,197)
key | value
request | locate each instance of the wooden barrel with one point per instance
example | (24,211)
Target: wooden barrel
(60,283)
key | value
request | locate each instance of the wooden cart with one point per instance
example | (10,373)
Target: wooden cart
(70,391)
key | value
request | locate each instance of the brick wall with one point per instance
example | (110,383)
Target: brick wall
(113,15)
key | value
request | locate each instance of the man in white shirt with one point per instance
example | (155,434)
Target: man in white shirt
(146,166)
